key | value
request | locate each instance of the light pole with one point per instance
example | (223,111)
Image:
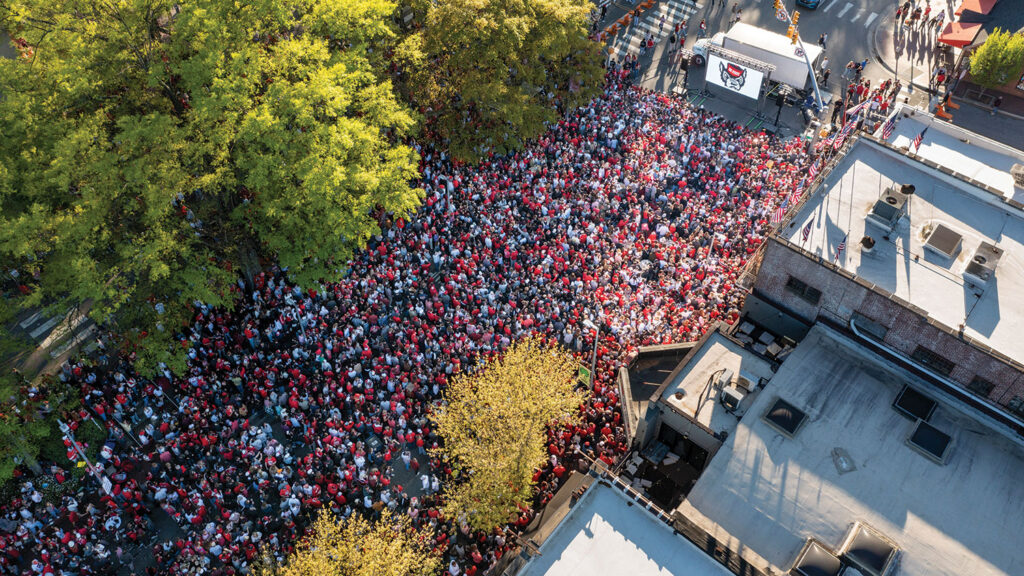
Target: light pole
(794,34)
(100,477)
(593,357)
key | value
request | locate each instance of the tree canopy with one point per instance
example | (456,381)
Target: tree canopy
(153,150)
(358,547)
(493,424)
(489,74)
(999,59)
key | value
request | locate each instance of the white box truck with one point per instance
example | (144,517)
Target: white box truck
(765,46)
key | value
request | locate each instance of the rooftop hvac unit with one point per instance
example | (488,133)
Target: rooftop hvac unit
(1017,171)
(724,379)
(732,398)
(944,241)
(982,267)
(743,382)
(888,209)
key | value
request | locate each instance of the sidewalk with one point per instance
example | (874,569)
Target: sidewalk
(911,55)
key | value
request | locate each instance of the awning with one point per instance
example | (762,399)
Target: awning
(959,34)
(978,6)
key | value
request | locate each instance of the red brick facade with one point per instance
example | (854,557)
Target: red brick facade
(907,326)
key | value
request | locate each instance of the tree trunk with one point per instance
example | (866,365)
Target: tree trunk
(249,262)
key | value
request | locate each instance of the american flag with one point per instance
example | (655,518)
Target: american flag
(841,136)
(780,211)
(856,109)
(841,247)
(919,138)
(807,231)
(813,170)
(799,190)
(888,127)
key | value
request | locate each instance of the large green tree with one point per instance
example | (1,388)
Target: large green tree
(998,60)
(493,423)
(355,546)
(152,152)
(488,74)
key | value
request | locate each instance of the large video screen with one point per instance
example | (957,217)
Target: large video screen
(734,77)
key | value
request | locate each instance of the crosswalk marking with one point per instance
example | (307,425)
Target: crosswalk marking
(30,320)
(856,16)
(44,328)
(870,19)
(674,11)
(831,4)
(845,9)
(75,341)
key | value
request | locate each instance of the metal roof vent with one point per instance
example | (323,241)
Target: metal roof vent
(982,267)
(888,209)
(943,240)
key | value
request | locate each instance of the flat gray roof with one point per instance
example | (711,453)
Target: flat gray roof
(605,533)
(699,400)
(900,265)
(769,493)
(963,151)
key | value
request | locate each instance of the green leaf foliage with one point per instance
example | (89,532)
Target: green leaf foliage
(998,60)
(153,151)
(490,73)
(493,423)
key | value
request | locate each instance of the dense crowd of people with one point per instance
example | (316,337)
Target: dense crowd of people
(635,212)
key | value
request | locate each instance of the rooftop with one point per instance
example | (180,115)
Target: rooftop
(924,257)
(699,399)
(605,533)
(966,153)
(851,477)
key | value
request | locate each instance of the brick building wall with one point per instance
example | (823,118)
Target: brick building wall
(906,326)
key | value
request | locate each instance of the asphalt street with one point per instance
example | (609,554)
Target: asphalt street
(850,28)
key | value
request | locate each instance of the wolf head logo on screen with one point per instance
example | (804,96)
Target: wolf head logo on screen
(733,76)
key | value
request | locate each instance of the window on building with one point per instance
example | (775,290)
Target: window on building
(869,326)
(981,387)
(932,360)
(1016,405)
(801,289)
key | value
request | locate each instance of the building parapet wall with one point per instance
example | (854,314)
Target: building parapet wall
(907,326)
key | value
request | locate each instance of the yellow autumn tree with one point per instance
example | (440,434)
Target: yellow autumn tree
(493,422)
(358,547)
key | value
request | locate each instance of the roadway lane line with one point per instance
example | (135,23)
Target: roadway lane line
(870,19)
(845,9)
(857,16)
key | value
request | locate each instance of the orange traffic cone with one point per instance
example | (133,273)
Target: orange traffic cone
(940,111)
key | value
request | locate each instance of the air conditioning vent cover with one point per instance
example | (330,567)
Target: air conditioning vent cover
(944,241)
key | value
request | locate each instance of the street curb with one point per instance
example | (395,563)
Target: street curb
(876,53)
(986,108)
